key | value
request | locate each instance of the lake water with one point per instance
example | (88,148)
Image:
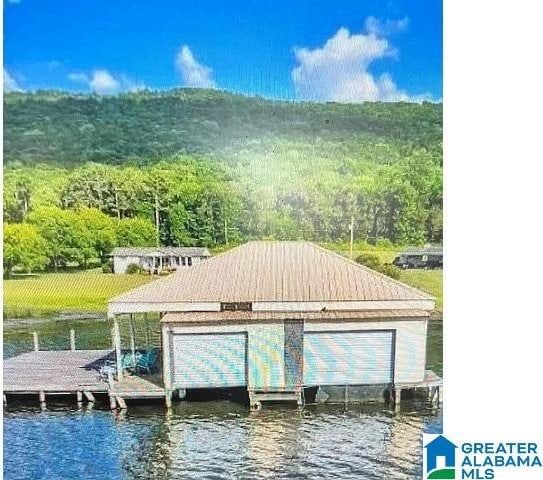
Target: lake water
(208,440)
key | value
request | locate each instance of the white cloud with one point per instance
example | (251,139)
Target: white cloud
(388,27)
(78,77)
(104,83)
(10,84)
(339,70)
(193,73)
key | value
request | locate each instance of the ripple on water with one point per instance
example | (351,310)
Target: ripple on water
(216,440)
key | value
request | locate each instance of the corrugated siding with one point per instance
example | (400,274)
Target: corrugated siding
(410,354)
(266,356)
(348,358)
(209,360)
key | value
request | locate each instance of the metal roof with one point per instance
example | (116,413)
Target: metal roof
(166,251)
(423,251)
(244,316)
(274,272)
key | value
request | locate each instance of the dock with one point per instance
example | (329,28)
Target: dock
(74,372)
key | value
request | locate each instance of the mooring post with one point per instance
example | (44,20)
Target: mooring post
(43,405)
(397,399)
(118,353)
(36,342)
(72,339)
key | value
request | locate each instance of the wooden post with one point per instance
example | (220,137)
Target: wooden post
(72,339)
(36,342)
(5,400)
(43,405)
(132,340)
(117,337)
(79,394)
(166,373)
(112,401)
(89,395)
(397,399)
(121,402)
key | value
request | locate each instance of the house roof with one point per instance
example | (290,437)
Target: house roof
(423,251)
(334,315)
(273,272)
(166,251)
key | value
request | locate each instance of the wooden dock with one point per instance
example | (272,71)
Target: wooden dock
(74,372)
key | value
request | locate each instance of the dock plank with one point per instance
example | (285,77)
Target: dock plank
(56,371)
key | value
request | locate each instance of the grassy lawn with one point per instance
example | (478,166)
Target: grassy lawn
(430,281)
(89,291)
(49,293)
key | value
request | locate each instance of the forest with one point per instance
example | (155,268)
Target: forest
(85,173)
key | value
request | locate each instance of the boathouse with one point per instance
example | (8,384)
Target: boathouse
(278,318)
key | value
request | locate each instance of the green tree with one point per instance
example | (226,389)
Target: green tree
(101,230)
(135,232)
(23,247)
(68,240)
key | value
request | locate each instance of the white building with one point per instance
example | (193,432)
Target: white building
(280,317)
(155,259)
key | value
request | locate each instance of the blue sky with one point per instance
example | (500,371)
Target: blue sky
(314,50)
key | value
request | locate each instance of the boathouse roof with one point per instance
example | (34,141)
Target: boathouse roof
(267,271)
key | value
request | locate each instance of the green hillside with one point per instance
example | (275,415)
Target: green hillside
(57,128)
(202,167)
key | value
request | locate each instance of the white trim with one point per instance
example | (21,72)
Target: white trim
(142,307)
(349,305)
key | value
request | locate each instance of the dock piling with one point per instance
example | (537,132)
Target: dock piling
(43,404)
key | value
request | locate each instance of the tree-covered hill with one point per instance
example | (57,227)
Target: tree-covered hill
(67,129)
(202,167)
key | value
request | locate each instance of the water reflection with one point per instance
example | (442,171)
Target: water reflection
(219,440)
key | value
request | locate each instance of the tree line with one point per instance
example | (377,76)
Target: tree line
(85,173)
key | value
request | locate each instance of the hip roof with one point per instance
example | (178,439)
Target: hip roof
(266,271)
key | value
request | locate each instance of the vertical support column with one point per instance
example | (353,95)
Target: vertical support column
(36,342)
(166,367)
(72,339)
(132,340)
(397,398)
(43,405)
(117,342)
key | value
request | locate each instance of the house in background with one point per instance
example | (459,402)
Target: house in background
(156,259)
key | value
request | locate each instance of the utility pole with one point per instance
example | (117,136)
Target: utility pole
(157,217)
(352,237)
